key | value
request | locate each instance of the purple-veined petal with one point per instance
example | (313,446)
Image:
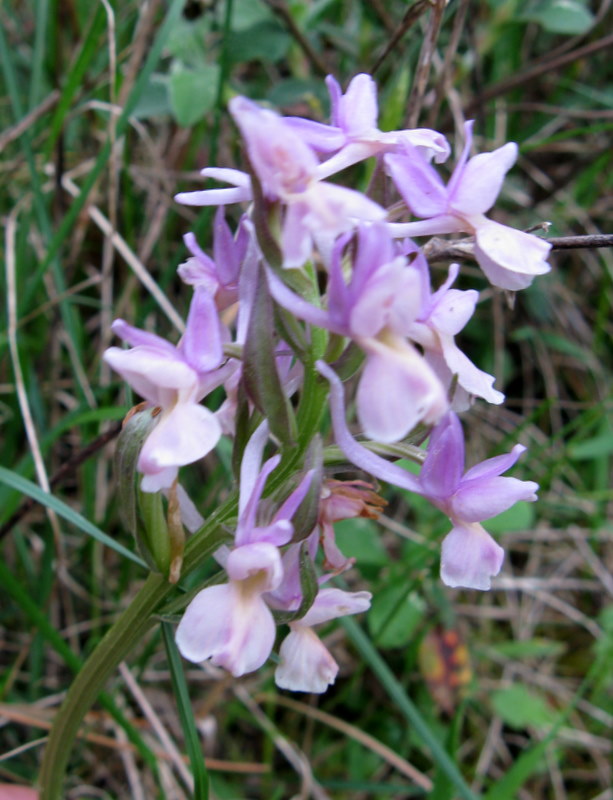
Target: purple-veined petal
(470,558)
(306,665)
(354,452)
(483,498)
(509,258)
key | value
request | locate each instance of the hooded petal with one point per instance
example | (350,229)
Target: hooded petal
(157,376)
(259,564)
(470,558)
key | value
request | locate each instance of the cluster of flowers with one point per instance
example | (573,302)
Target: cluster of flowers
(377,309)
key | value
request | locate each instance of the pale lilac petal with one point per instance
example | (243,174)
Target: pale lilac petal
(418,183)
(291,503)
(258,563)
(482,180)
(470,558)
(205,626)
(458,171)
(277,533)
(496,465)
(298,306)
(332,603)
(358,111)
(352,153)
(296,236)
(135,337)
(444,223)
(214,197)
(251,642)
(441,472)
(484,498)
(354,452)
(453,310)
(236,177)
(471,378)
(306,665)
(461,400)
(333,558)
(336,94)
(431,145)
(182,436)
(159,480)
(226,251)
(397,390)
(246,521)
(251,464)
(323,138)
(284,163)
(153,375)
(337,209)
(510,258)
(201,343)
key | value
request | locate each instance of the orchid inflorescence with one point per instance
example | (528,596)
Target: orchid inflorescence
(316,284)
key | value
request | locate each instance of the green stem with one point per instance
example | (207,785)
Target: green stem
(114,647)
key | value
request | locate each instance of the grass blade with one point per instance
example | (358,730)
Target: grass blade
(439,755)
(186,715)
(65,511)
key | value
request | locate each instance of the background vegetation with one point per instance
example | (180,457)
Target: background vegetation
(106,110)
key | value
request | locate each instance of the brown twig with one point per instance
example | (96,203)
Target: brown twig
(424,63)
(412,14)
(540,68)
(62,473)
(281,10)
(462,249)
(18,129)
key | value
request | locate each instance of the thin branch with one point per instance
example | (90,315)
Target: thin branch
(422,73)
(464,249)
(17,130)
(412,14)
(281,10)
(540,68)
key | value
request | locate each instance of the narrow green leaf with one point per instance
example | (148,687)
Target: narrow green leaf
(69,514)
(186,715)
